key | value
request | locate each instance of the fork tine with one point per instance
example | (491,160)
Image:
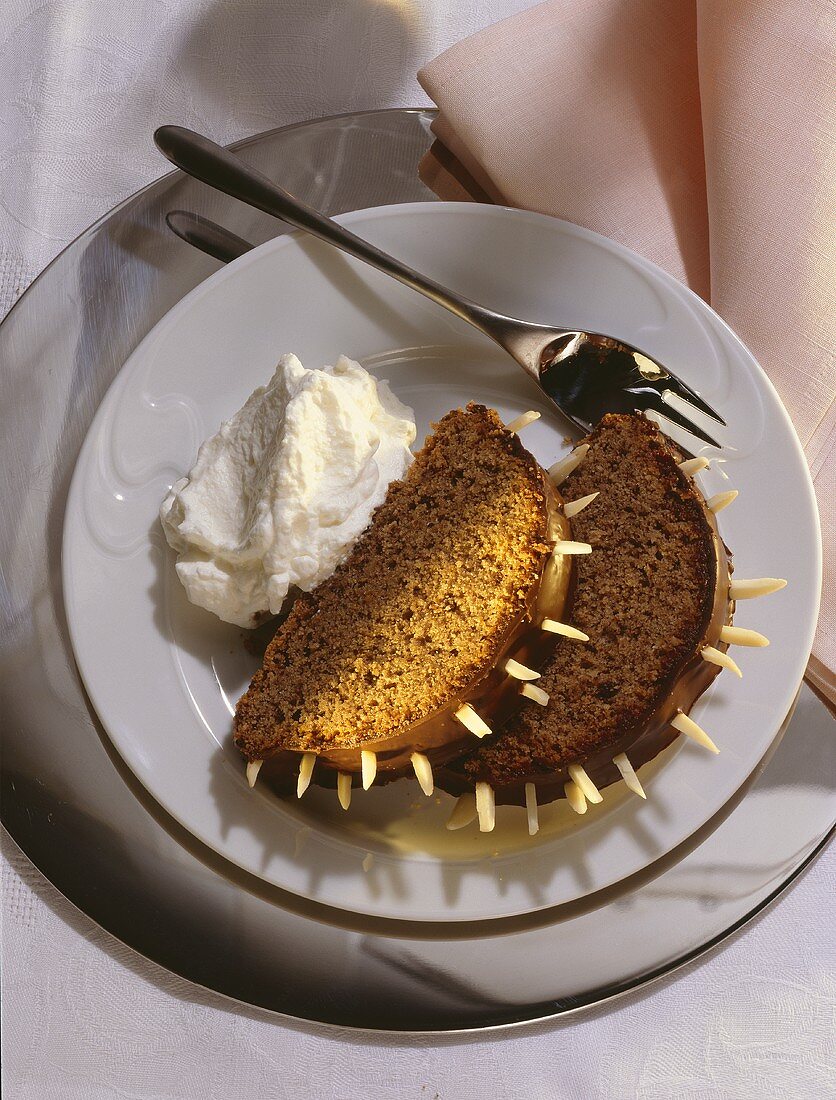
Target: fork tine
(685,393)
(668,412)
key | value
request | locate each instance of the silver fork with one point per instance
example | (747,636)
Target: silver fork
(585,374)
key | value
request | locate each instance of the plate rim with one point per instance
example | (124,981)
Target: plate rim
(578,1007)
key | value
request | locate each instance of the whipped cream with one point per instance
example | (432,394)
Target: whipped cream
(283,490)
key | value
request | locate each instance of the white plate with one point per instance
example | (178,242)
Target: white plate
(164,675)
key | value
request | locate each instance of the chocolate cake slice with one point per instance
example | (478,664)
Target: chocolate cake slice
(650,605)
(425,636)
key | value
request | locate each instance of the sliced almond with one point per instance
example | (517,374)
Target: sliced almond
(423,772)
(566,631)
(689,727)
(522,421)
(718,657)
(628,774)
(536,694)
(253,768)
(574,506)
(720,501)
(740,635)
(562,468)
(758,586)
(485,807)
(368,767)
(531,809)
(471,720)
(575,797)
(344,789)
(582,780)
(306,767)
(566,546)
(463,812)
(520,672)
(693,465)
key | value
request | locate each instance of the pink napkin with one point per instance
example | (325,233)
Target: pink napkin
(699,133)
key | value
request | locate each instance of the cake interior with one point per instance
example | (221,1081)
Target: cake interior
(420,606)
(645,596)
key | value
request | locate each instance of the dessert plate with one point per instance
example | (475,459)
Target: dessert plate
(78,812)
(164,676)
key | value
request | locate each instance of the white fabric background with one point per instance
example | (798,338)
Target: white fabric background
(82,85)
(87,1019)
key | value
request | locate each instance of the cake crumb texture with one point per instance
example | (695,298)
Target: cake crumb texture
(421,605)
(644,596)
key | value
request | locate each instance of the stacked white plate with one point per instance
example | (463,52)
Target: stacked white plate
(164,676)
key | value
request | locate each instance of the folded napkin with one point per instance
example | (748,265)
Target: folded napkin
(699,133)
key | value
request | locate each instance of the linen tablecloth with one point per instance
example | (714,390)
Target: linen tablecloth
(82,85)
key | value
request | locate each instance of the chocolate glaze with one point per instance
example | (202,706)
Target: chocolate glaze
(493,694)
(652,733)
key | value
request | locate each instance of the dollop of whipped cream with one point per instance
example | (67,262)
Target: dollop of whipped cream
(283,490)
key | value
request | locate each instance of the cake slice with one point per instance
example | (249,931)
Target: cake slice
(650,605)
(424,637)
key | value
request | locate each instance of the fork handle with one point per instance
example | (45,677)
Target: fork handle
(203,159)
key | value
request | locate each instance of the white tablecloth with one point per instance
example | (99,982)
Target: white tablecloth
(82,85)
(87,1019)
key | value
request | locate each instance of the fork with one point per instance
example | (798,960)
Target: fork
(585,374)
